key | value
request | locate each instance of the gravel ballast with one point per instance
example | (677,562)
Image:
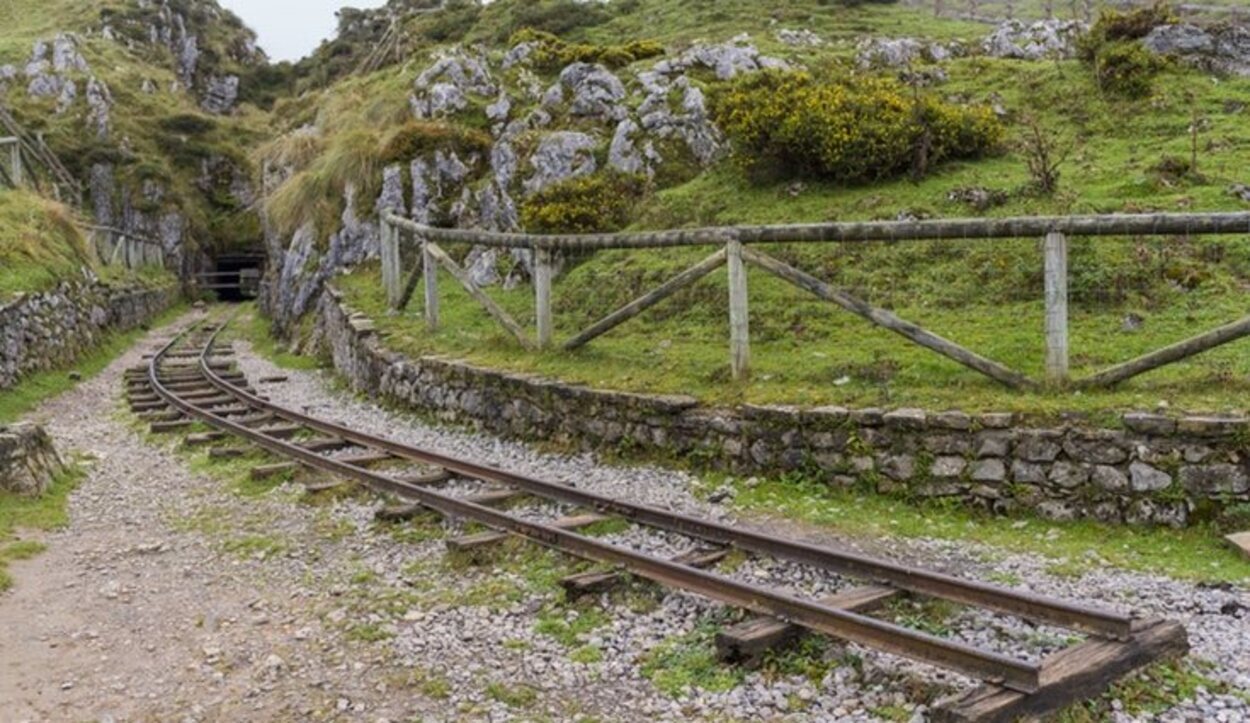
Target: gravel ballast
(199,603)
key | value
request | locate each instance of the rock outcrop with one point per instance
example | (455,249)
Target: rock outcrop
(1222,49)
(29,463)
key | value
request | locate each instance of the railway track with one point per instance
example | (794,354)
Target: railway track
(192,380)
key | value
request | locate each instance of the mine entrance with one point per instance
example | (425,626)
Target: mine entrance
(234,277)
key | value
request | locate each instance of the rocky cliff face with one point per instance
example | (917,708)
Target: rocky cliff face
(129,128)
(584,118)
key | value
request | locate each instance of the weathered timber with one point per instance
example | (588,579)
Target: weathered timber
(326,444)
(891,321)
(428,479)
(269,471)
(646,301)
(367,459)
(749,641)
(228,452)
(275,379)
(1164,224)
(594,583)
(739,317)
(1168,355)
(1056,294)
(499,315)
(204,438)
(544,269)
(282,431)
(391,269)
(316,488)
(429,269)
(176,425)
(471,543)
(1078,673)
(1240,542)
(148,406)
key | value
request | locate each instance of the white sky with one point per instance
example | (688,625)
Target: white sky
(291,29)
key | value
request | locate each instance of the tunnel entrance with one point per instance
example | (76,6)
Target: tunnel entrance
(234,277)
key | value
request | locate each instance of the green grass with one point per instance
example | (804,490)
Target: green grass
(689,661)
(1196,553)
(258,330)
(36,388)
(1149,692)
(986,295)
(517,695)
(19,513)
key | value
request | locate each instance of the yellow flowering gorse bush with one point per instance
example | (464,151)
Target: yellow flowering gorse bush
(852,129)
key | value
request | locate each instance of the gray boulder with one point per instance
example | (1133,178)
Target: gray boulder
(65,55)
(28,460)
(1034,41)
(560,156)
(596,92)
(1222,49)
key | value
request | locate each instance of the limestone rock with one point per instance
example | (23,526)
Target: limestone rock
(1144,478)
(1033,41)
(560,156)
(1220,49)
(28,460)
(221,94)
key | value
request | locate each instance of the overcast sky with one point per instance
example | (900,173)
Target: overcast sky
(291,29)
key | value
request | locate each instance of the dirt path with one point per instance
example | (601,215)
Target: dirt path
(135,614)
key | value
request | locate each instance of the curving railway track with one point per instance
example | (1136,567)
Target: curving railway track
(191,380)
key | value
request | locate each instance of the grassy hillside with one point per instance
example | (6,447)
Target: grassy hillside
(159,135)
(1129,295)
(41,246)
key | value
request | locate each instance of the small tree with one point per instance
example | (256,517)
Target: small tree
(1043,155)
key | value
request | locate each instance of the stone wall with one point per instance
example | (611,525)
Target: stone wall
(28,460)
(1156,469)
(54,328)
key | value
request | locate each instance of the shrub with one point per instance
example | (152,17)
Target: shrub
(1115,26)
(1126,69)
(851,129)
(1122,66)
(598,203)
(418,138)
(554,53)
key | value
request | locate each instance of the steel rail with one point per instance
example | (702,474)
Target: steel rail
(1031,607)
(989,666)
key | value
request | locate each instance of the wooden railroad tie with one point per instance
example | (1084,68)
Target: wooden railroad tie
(1077,673)
(169,415)
(228,452)
(478,541)
(594,583)
(279,379)
(748,642)
(1240,542)
(281,431)
(203,439)
(269,471)
(170,427)
(490,498)
(367,459)
(326,444)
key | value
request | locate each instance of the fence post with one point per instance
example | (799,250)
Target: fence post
(1056,274)
(15,159)
(739,322)
(543,269)
(391,274)
(429,268)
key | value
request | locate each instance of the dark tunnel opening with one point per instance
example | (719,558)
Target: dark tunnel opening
(234,278)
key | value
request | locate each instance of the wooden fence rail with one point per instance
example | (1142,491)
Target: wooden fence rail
(114,247)
(737,252)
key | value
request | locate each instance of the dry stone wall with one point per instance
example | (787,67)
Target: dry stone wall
(1154,470)
(51,329)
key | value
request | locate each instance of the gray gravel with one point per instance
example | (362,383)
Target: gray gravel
(171,597)
(1218,619)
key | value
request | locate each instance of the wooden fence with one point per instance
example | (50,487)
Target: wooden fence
(739,248)
(114,247)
